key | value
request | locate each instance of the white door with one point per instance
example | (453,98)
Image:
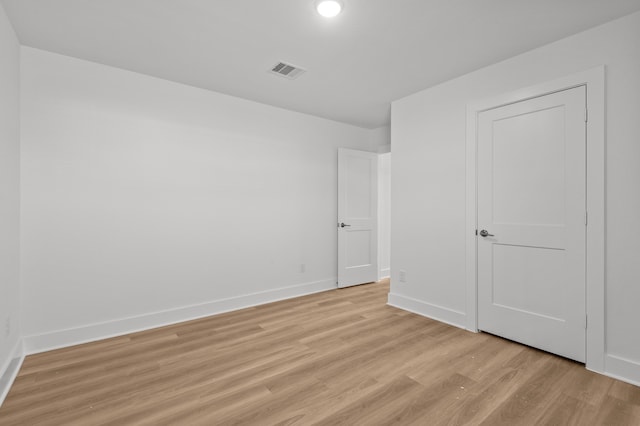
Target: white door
(357,217)
(532,204)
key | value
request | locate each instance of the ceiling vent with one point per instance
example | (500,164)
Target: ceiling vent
(287,70)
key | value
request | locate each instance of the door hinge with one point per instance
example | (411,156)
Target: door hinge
(586,218)
(586,115)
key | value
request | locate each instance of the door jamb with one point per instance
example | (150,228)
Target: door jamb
(594,80)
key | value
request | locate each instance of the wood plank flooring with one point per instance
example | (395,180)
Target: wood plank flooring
(338,357)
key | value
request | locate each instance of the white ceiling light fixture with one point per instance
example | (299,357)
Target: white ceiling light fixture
(329,8)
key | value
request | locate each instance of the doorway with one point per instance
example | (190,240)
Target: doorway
(531,218)
(594,319)
(363,216)
(384,215)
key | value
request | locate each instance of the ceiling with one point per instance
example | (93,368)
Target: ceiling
(376,51)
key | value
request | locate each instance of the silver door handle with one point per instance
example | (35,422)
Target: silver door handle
(342,225)
(484,233)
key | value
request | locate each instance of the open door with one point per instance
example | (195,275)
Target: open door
(357,217)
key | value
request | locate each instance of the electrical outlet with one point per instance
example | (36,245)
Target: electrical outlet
(7,327)
(403,276)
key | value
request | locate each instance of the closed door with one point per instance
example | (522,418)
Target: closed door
(357,217)
(532,222)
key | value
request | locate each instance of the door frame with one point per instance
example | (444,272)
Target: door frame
(594,80)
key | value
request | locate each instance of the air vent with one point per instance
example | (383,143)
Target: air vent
(287,70)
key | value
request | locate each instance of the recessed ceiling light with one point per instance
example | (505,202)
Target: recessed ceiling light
(329,8)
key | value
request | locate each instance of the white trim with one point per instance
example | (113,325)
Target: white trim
(10,370)
(93,332)
(384,149)
(429,310)
(622,369)
(594,79)
(384,273)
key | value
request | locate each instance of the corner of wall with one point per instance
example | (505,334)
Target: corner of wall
(380,139)
(10,370)
(10,342)
(435,312)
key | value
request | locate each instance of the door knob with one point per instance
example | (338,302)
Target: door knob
(484,233)
(342,225)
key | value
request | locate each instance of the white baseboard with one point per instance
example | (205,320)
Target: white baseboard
(384,273)
(622,369)
(616,367)
(438,313)
(10,370)
(93,332)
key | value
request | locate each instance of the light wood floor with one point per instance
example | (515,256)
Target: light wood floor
(339,357)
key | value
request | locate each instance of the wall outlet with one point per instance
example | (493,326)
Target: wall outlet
(403,276)
(7,327)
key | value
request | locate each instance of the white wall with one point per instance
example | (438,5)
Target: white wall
(9,196)
(380,139)
(142,197)
(384,215)
(428,185)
